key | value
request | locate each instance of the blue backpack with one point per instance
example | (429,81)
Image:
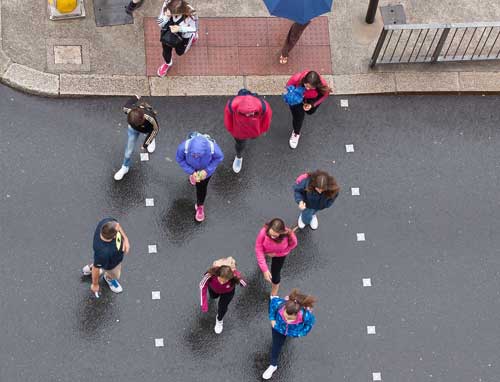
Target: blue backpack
(210,140)
(293,95)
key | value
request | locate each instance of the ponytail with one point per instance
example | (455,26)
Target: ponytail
(297,301)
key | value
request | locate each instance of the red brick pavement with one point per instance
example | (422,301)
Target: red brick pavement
(243,46)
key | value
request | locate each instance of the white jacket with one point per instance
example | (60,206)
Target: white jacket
(188,27)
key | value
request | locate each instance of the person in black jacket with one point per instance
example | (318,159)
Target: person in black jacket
(141,118)
(313,192)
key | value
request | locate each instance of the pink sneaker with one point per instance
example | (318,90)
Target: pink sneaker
(162,70)
(200,213)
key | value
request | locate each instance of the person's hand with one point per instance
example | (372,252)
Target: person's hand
(267,276)
(137,96)
(167,13)
(94,288)
(302,205)
(307,106)
(174,28)
(273,322)
(126,246)
(203,175)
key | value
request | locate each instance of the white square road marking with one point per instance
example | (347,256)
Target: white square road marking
(159,342)
(367,282)
(144,157)
(349,148)
(377,376)
(355,191)
(155,295)
(150,202)
(344,103)
(360,236)
(152,248)
(370,330)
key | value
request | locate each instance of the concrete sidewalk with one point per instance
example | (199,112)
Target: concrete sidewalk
(113,58)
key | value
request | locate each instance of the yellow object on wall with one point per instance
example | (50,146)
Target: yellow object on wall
(64,6)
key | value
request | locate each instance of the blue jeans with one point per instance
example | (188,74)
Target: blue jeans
(307,215)
(278,342)
(133,135)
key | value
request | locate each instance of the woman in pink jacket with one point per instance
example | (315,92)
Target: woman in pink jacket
(276,241)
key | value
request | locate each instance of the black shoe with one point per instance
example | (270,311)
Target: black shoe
(131,7)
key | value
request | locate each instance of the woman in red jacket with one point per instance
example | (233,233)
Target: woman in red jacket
(316,91)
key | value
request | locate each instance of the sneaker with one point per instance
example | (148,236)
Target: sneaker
(114,285)
(237,164)
(294,140)
(162,70)
(219,325)
(131,7)
(269,372)
(200,213)
(121,173)
(301,223)
(152,146)
(314,222)
(87,270)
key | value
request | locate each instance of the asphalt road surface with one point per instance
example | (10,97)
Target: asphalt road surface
(427,171)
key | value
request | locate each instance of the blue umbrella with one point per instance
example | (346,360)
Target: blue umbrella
(300,11)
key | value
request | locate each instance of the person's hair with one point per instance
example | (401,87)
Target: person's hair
(314,79)
(225,272)
(180,7)
(278,226)
(109,230)
(135,117)
(297,301)
(321,179)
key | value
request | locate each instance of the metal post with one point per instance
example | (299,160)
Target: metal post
(378,48)
(372,11)
(440,44)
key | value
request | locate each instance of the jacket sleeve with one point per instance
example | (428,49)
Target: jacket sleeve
(267,117)
(294,80)
(152,135)
(203,292)
(307,325)
(299,191)
(259,251)
(273,307)
(292,242)
(216,159)
(131,102)
(189,25)
(228,117)
(238,274)
(180,157)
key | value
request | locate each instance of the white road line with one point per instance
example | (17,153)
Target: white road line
(155,295)
(360,236)
(150,202)
(159,342)
(349,148)
(152,248)
(367,282)
(355,191)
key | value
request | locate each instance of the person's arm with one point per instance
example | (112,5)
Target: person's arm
(189,25)
(294,80)
(126,243)
(307,324)
(152,135)
(273,306)
(180,157)
(292,242)
(203,292)
(238,274)
(259,251)
(216,159)
(228,117)
(267,117)
(320,100)
(299,191)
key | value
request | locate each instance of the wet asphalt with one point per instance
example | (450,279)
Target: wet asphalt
(427,169)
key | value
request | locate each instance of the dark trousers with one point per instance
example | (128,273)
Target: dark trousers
(278,342)
(224,300)
(298,115)
(239,145)
(167,50)
(293,37)
(201,191)
(276,265)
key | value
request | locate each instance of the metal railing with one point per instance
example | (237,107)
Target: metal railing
(417,43)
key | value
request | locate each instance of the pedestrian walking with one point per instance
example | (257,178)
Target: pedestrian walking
(110,244)
(220,281)
(314,90)
(133,5)
(141,118)
(292,38)
(199,155)
(290,317)
(313,192)
(246,116)
(276,241)
(179,31)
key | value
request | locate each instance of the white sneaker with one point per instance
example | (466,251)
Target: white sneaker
(121,173)
(269,372)
(314,222)
(152,146)
(219,325)
(87,270)
(114,285)
(294,140)
(301,223)
(237,164)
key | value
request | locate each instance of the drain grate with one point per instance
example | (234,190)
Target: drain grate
(111,12)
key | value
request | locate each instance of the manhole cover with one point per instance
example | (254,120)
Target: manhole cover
(111,12)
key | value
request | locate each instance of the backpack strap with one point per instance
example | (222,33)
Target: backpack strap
(210,141)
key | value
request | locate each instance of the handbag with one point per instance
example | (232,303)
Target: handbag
(170,38)
(294,95)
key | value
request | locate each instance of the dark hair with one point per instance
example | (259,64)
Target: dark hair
(321,179)
(225,272)
(180,7)
(297,301)
(135,117)
(314,79)
(109,230)
(278,226)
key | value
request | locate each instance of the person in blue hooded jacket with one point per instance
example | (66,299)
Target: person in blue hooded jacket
(199,156)
(290,317)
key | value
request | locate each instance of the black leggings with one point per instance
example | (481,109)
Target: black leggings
(239,145)
(298,115)
(224,300)
(167,50)
(276,265)
(201,191)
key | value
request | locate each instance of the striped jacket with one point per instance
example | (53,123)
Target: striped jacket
(150,126)
(216,287)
